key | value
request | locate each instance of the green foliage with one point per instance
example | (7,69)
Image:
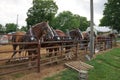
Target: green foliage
(68,20)
(111,14)
(45,10)
(42,10)
(83,23)
(2,29)
(23,28)
(11,27)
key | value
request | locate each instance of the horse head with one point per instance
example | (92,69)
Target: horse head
(42,29)
(86,35)
(76,34)
(61,34)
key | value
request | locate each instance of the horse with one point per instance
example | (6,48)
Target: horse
(76,34)
(17,37)
(34,34)
(105,39)
(65,37)
(82,37)
(59,36)
(113,37)
(86,39)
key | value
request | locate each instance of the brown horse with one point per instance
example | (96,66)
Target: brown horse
(76,34)
(34,34)
(105,39)
(17,37)
(61,36)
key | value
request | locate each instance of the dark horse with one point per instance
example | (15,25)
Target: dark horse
(76,34)
(59,36)
(34,34)
(81,37)
(64,37)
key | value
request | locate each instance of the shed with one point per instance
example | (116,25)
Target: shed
(100,29)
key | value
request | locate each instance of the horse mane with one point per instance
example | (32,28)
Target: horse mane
(38,28)
(76,34)
(41,23)
(60,33)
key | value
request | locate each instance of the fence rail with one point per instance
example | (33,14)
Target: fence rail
(20,63)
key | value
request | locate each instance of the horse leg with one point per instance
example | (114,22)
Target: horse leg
(55,52)
(30,59)
(49,52)
(20,48)
(70,53)
(14,53)
(35,55)
(67,53)
(56,49)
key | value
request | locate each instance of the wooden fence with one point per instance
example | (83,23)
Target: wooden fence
(65,50)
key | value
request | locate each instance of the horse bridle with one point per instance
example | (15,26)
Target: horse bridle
(31,34)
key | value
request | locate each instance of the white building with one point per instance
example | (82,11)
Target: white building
(99,29)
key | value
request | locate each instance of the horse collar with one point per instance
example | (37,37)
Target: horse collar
(31,34)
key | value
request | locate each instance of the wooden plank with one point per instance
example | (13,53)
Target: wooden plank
(78,65)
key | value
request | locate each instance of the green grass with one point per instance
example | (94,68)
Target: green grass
(118,39)
(72,75)
(106,67)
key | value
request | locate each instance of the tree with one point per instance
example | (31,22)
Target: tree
(42,10)
(111,14)
(23,28)
(84,23)
(68,20)
(2,28)
(11,27)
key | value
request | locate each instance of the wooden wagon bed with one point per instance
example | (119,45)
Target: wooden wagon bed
(78,65)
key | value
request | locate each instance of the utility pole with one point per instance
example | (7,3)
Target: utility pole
(17,22)
(91,27)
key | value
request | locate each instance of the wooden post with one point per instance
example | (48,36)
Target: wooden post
(91,31)
(105,43)
(38,60)
(77,49)
(111,42)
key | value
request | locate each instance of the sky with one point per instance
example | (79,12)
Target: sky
(9,9)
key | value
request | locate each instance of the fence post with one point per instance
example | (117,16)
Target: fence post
(105,43)
(77,49)
(38,60)
(111,40)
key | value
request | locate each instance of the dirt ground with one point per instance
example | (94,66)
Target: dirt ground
(33,75)
(29,74)
(46,71)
